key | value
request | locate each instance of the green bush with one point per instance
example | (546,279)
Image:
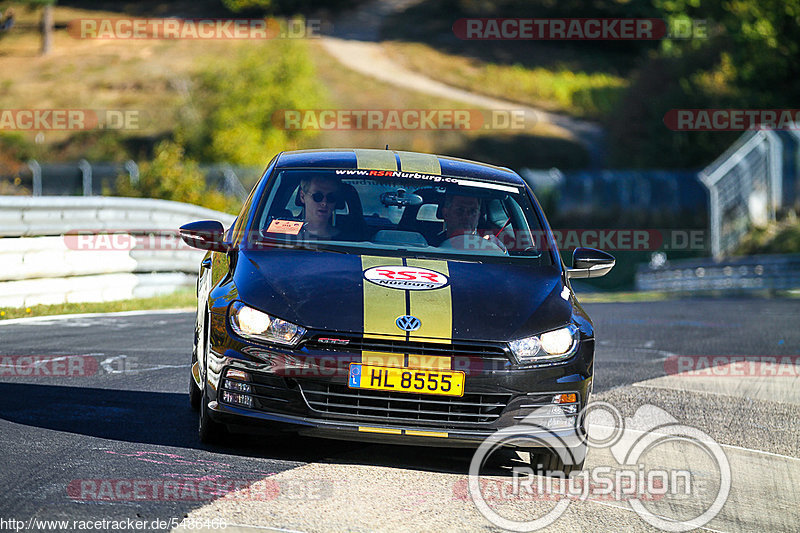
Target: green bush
(170,176)
(232,114)
(778,238)
(284,7)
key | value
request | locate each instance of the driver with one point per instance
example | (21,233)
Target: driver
(461,214)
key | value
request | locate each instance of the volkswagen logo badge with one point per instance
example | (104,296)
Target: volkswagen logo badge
(408,323)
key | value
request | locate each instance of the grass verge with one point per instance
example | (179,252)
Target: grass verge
(621,297)
(582,94)
(539,146)
(658,296)
(179,299)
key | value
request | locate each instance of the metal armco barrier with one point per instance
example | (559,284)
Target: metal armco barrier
(26,216)
(758,272)
(42,261)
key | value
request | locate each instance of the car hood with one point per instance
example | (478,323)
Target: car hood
(328,291)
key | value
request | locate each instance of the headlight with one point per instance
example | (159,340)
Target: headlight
(253,324)
(549,346)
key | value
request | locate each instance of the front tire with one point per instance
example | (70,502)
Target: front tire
(210,432)
(544,461)
(198,354)
(194,394)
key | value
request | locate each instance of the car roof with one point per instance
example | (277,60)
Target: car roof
(414,162)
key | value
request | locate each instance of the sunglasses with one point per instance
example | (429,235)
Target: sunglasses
(331,197)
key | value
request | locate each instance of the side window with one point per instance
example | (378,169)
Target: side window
(292,206)
(517,236)
(244,214)
(279,195)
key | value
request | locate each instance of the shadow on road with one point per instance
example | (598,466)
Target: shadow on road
(165,419)
(157,418)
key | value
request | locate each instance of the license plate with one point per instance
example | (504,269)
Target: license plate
(406,380)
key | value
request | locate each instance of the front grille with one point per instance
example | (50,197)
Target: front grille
(336,399)
(409,347)
(458,350)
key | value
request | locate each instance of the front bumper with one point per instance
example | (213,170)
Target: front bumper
(287,394)
(246,420)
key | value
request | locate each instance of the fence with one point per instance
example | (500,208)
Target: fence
(96,178)
(44,264)
(750,183)
(765,272)
(664,190)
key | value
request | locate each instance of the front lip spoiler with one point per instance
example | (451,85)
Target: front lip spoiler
(366,431)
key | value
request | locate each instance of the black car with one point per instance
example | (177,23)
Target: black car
(390,296)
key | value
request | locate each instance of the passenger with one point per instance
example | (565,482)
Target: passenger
(319,196)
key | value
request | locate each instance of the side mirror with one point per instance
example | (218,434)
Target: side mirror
(205,235)
(590,263)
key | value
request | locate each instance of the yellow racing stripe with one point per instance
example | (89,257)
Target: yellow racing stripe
(424,163)
(375,159)
(383,359)
(389,431)
(414,433)
(434,308)
(382,305)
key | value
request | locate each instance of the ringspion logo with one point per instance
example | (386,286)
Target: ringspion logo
(648,454)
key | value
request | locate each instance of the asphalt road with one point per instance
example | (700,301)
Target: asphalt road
(125,417)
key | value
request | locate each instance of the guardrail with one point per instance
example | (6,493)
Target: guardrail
(94,177)
(53,249)
(758,272)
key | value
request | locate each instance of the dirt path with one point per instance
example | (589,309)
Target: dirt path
(355,43)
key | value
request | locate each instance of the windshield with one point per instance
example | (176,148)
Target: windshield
(384,211)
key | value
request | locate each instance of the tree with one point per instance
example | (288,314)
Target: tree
(46,24)
(231,116)
(47,28)
(240,5)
